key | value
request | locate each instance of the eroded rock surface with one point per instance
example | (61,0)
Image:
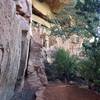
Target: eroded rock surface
(20,53)
(36,70)
(10,48)
(14,46)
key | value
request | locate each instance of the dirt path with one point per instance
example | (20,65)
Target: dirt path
(63,92)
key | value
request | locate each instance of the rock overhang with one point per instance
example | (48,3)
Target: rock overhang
(47,9)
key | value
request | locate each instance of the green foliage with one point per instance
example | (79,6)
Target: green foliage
(64,65)
(88,12)
(89,67)
(85,15)
(86,69)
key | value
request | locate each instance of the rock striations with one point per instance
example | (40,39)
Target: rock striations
(21,65)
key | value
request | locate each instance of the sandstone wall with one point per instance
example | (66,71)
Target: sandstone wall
(36,70)
(73,44)
(14,44)
(24,12)
(20,53)
(10,48)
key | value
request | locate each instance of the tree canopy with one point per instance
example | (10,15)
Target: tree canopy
(83,18)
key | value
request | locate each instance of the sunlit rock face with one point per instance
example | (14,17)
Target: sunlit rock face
(56,5)
(50,7)
(72,44)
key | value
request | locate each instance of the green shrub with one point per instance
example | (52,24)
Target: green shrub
(64,65)
(89,67)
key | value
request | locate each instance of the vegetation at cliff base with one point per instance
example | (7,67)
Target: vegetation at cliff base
(63,67)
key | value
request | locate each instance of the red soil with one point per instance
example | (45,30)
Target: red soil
(67,92)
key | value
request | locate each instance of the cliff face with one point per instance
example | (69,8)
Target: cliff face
(15,42)
(10,48)
(36,70)
(23,12)
(21,61)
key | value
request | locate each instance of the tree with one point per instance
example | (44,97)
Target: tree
(64,64)
(82,18)
(89,67)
